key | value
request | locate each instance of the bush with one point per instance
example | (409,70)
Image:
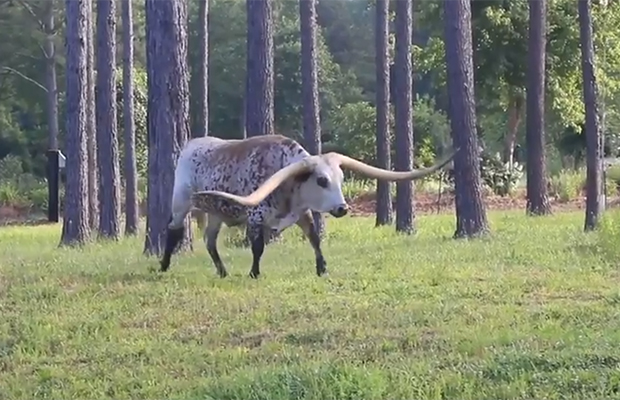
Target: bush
(353,128)
(10,168)
(498,176)
(22,190)
(9,194)
(569,185)
(613,176)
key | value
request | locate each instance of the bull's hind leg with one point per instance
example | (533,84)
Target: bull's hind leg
(181,204)
(257,239)
(214,225)
(306,223)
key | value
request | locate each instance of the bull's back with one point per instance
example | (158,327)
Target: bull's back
(241,166)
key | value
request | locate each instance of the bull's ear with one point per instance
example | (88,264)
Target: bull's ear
(303,177)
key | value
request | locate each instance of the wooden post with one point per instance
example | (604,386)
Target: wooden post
(53,185)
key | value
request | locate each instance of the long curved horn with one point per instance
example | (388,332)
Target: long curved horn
(379,173)
(271,184)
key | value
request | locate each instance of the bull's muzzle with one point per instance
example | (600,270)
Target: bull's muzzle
(340,211)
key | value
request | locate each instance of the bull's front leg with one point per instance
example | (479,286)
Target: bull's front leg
(306,223)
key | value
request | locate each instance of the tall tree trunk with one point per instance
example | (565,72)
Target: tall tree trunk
(471,218)
(50,77)
(129,125)
(168,113)
(515,108)
(310,86)
(203,69)
(202,123)
(107,138)
(404,125)
(382,66)
(259,95)
(93,168)
(537,200)
(594,148)
(75,228)
(260,80)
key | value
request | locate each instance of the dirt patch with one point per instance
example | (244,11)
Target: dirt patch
(11,215)
(362,205)
(426,203)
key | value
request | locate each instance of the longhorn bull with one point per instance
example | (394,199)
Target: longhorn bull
(266,182)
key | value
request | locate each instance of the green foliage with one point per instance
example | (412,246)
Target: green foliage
(498,176)
(346,74)
(10,168)
(354,128)
(140,103)
(569,185)
(426,154)
(613,175)
(227,65)
(19,189)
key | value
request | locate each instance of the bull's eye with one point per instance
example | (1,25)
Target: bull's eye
(322,181)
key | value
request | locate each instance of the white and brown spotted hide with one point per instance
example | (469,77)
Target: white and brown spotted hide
(238,167)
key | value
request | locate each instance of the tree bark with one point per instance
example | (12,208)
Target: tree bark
(203,69)
(75,228)
(129,125)
(515,107)
(310,86)
(471,219)
(404,125)
(260,81)
(382,66)
(259,95)
(51,83)
(594,148)
(93,168)
(537,199)
(167,115)
(202,115)
(107,138)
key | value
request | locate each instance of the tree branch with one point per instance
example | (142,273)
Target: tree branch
(16,72)
(34,15)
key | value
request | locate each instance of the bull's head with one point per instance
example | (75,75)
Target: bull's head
(320,181)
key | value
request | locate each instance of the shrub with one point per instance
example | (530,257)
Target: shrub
(10,168)
(9,194)
(498,176)
(38,197)
(20,189)
(569,185)
(613,176)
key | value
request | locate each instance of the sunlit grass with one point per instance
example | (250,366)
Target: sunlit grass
(531,312)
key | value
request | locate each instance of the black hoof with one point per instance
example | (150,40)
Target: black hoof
(222,274)
(321,267)
(254,275)
(164,266)
(322,273)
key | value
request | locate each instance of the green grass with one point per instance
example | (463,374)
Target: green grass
(530,313)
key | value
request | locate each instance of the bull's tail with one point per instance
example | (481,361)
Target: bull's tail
(181,205)
(174,237)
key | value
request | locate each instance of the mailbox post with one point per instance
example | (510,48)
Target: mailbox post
(55,162)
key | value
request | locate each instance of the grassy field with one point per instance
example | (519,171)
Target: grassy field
(530,313)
